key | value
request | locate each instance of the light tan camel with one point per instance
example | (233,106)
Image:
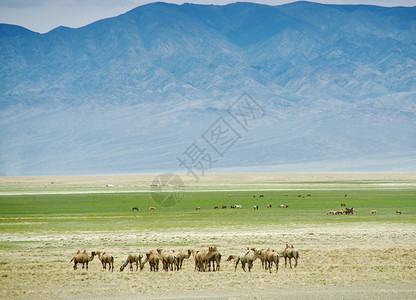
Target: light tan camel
(246,257)
(82,258)
(106,259)
(132,258)
(289,253)
(215,260)
(272,257)
(180,257)
(202,258)
(153,258)
(262,257)
(168,258)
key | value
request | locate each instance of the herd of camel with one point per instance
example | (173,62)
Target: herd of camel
(205,259)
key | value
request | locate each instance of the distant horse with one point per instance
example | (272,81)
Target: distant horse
(134,208)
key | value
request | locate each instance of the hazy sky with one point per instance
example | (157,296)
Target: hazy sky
(44,15)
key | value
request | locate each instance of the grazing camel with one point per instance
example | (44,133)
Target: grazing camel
(398,212)
(246,257)
(180,257)
(130,260)
(289,253)
(168,259)
(152,208)
(153,258)
(271,257)
(82,258)
(106,259)
(373,211)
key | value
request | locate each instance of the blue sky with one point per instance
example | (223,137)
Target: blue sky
(44,15)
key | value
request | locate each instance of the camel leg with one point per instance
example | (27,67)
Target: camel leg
(87,265)
(290,262)
(236,264)
(296,262)
(285,261)
(244,266)
(277,265)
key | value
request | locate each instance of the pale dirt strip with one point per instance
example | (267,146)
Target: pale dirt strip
(231,189)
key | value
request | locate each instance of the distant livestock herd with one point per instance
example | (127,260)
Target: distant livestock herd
(204,259)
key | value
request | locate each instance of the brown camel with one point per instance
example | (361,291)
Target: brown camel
(202,258)
(82,258)
(272,257)
(180,257)
(130,260)
(153,258)
(289,253)
(215,260)
(262,257)
(168,259)
(106,259)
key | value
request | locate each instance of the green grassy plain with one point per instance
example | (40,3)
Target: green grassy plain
(112,211)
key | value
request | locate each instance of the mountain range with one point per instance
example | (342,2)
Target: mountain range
(336,85)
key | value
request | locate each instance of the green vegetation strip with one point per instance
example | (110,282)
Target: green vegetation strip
(113,212)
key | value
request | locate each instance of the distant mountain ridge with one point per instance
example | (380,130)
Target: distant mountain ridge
(130,93)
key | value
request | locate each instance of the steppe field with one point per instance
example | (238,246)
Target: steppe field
(45,220)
